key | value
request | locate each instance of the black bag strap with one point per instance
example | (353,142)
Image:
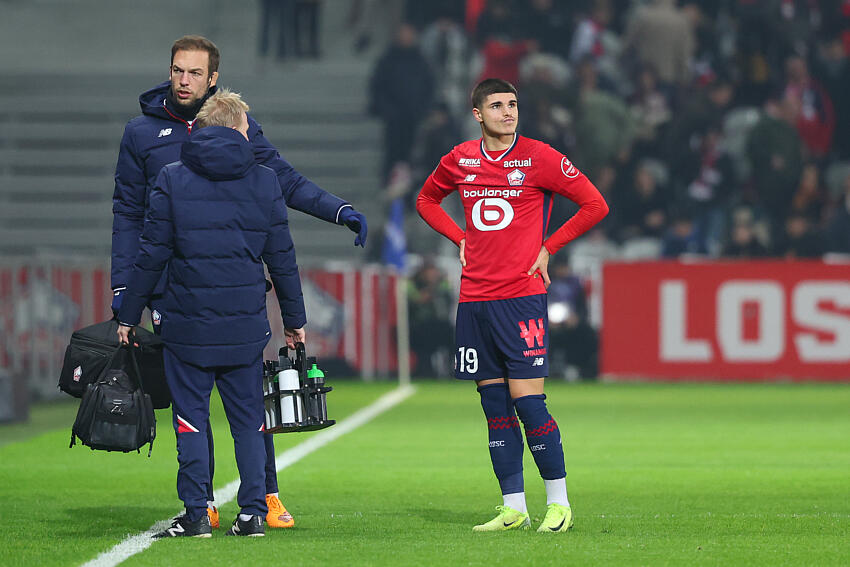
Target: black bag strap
(135,365)
(136,368)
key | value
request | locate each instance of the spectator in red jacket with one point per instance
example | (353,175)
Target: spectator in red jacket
(501,43)
(816,119)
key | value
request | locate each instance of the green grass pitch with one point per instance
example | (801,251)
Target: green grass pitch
(658,474)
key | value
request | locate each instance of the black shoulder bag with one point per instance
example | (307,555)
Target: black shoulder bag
(115,413)
(88,353)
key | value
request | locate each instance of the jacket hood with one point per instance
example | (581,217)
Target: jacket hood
(218,153)
(152,101)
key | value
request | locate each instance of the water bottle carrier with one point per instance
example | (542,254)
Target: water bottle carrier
(306,405)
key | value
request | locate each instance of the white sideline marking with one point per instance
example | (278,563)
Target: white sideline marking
(139,542)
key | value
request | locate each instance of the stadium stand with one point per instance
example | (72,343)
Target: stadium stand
(60,128)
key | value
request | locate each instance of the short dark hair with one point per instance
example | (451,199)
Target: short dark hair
(488,87)
(197,43)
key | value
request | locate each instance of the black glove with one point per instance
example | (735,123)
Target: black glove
(356,222)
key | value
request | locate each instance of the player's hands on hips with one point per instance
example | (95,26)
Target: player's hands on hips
(293,336)
(541,264)
(462,252)
(357,223)
(124,334)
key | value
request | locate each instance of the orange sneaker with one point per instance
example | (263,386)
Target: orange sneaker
(278,517)
(212,512)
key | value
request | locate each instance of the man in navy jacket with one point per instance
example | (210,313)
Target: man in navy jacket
(212,220)
(153,140)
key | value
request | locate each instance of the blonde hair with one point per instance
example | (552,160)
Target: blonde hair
(224,108)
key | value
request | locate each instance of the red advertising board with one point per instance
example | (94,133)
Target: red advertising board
(754,320)
(351,314)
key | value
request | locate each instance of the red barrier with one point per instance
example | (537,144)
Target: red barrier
(351,314)
(765,320)
(41,302)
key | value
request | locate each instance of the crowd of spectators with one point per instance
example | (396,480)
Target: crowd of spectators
(712,127)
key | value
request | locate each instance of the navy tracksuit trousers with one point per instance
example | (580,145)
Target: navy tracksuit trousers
(241,393)
(271,467)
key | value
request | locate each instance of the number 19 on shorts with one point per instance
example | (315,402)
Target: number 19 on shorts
(467,360)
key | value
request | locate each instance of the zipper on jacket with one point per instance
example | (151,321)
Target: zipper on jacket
(174,116)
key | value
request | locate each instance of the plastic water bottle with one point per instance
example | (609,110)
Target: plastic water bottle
(291,408)
(317,408)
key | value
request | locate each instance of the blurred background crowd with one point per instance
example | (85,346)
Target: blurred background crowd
(713,128)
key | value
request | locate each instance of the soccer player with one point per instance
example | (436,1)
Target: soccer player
(153,140)
(506,184)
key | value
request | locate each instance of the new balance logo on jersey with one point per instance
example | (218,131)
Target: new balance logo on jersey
(470,162)
(470,177)
(535,331)
(517,163)
(538,361)
(164,132)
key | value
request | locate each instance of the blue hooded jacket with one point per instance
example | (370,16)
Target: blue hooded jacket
(153,140)
(213,219)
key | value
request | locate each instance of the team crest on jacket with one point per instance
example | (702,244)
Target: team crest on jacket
(156,317)
(78,373)
(516,177)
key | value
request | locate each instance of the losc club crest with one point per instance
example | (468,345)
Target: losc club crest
(516,177)
(78,373)
(156,317)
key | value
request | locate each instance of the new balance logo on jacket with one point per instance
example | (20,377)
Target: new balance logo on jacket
(164,132)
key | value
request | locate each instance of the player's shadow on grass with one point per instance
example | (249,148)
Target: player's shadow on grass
(116,521)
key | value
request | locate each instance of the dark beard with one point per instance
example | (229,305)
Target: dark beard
(185,111)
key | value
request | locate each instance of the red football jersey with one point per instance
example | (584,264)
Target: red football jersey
(507,201)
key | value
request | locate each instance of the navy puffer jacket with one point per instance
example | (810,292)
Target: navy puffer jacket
(213,219)
(153,140)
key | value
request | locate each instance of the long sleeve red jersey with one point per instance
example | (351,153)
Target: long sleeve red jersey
(507,202)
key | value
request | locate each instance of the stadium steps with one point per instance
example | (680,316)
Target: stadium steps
(61,118)
(58,153)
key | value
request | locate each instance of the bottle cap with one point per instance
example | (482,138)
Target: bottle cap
(314,372)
